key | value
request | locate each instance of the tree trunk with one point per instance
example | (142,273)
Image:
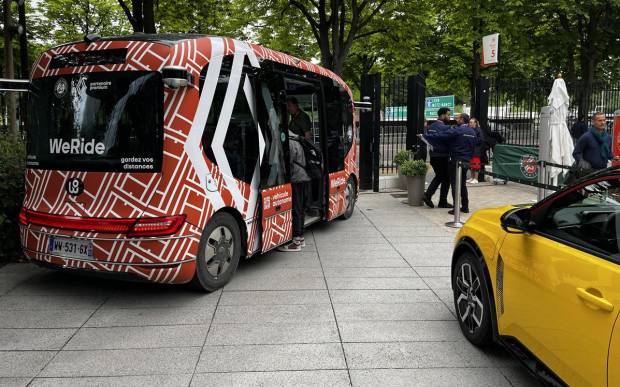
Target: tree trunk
(9,70)
(148,16)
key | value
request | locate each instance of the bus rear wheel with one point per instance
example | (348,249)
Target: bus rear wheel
(350,195)
(218,253)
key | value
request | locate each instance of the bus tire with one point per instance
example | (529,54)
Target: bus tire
(219,252)
(350,196)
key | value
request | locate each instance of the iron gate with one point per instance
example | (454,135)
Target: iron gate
(397,116)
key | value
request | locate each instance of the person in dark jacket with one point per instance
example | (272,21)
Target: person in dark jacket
(579,128)
(439,157)
(462,141)
(595,145)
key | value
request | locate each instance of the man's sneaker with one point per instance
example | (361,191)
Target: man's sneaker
(445,205)
(300,240)
(463,210)
(294,246)
(428,202)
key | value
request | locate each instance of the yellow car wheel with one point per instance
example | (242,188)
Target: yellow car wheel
(471,300)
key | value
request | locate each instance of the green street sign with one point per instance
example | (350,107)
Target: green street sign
(432,104)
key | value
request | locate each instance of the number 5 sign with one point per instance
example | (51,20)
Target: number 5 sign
(490,50)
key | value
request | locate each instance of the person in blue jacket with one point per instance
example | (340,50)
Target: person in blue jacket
(461,141)
(439,157)
(594,146)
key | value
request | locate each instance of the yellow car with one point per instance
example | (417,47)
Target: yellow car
(544,281)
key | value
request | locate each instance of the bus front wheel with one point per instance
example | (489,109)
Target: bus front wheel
(218,253)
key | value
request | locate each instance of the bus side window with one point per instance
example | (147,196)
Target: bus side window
(274,168)
(241,141)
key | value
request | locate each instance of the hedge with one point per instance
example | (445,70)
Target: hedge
(12,166)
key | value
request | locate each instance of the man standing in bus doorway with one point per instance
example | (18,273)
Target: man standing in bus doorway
(439,161)
(299,180)
(300,123)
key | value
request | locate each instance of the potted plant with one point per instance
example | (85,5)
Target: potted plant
(415,173)
(399,159)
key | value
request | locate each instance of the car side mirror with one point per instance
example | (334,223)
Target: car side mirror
(517,221)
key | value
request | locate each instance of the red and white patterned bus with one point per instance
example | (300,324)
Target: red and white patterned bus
(165,157)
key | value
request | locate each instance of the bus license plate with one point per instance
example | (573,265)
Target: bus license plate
(70,247)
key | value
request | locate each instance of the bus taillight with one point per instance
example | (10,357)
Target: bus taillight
(156,226)
(133,227)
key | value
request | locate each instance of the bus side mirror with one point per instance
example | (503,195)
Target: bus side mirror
(176,76)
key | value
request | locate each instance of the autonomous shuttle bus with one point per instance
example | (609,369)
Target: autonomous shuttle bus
(166,157)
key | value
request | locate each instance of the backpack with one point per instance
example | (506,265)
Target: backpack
(314,159)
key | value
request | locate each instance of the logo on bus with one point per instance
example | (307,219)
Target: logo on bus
(74,186)
(61,87)
(529,166)
(337,182)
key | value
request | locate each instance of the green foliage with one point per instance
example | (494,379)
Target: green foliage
(401,157)
(12,166)
(414,168)
(62,21)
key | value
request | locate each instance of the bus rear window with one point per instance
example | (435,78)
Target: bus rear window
(89,58)
(108,121)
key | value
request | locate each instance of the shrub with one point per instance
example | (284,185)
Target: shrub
(12,165)
(401,157)
(414,168)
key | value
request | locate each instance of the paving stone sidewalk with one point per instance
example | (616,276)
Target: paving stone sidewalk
(367,303)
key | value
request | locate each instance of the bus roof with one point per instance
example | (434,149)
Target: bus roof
(173,39)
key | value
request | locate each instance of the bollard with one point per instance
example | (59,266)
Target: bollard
(457,197)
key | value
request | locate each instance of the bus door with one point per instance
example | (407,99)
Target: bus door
(339,136)
(310,99)
(276,193)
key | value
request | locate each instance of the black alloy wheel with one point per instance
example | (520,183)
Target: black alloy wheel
(471,300)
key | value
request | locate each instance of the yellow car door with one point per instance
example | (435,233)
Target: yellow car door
(561,281)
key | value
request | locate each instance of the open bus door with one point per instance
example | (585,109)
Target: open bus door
(276,213)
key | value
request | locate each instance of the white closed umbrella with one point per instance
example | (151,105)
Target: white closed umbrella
(561,141)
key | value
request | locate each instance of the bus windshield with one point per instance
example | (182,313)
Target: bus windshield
(107,121)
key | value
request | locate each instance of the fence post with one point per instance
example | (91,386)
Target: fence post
(480,108)
(376,130)
(457,197)
(416,92)
(366,128)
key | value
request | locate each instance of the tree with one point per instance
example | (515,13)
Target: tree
(336,24)
(141,15)
(64,21)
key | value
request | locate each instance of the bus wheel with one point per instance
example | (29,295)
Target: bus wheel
(218,253)
(350,194)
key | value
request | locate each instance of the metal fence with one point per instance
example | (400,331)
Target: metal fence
(393,123)
(514,106)
(20,103)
